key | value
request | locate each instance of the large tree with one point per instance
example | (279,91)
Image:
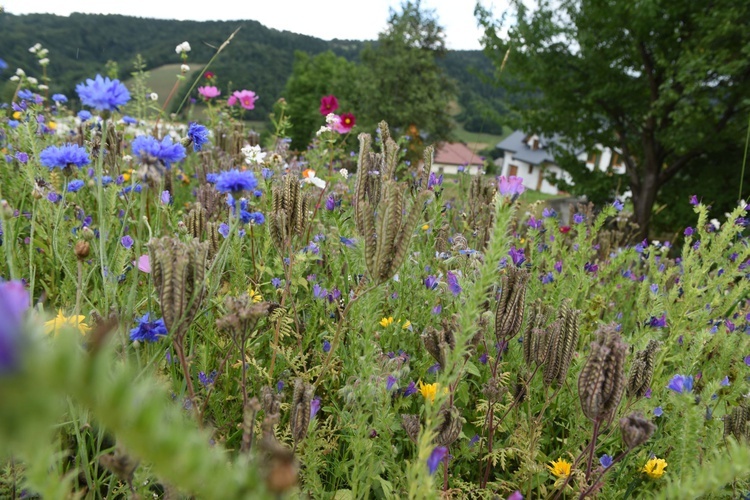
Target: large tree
(664,82)
(406,87)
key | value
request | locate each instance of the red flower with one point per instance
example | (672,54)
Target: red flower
(564,229)
(328,104)
(346,123)
(208,75)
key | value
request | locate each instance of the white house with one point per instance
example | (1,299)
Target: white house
(450,157)
(527,156)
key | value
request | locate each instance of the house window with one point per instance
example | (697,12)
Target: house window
(594,158)
(531,169)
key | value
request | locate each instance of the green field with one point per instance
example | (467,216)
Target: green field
(478,140)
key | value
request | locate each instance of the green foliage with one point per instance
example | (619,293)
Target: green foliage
(668,92)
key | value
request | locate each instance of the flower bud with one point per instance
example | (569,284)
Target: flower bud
(82,249)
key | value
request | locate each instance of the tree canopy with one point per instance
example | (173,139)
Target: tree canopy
(665,83)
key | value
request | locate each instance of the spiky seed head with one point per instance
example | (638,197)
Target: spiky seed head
(300,418)
(636,430)
(642,370)
(410,423)
(602,379)
(450,426)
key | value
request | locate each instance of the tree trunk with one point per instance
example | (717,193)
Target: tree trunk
(644,196)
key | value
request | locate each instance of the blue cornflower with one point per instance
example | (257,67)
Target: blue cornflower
(64,156)
(326,346)
(224,229)
(681,383)
(3,65)
(106,180)
(53,197)
(26,95)
(453,285)
(102,93)
(605,460)
(578,218)
(59,98)
(256,218)
(276,282)
(437,456)
(75,185)
(148,331)
(13,123)
(129,120)
(212,178)
(146,147)
(84,115)
(235,181)
(198,135)
(22,157)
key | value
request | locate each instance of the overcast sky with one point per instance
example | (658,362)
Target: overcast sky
(326,19)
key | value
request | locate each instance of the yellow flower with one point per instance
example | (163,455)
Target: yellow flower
(406,325)
(428,391)
(61,322)
(126,175)
(560,468)
(386,321)
(52,125)
(255,296)
(16,115)
(425,227)
(654,468)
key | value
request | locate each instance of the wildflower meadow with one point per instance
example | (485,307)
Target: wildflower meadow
(187,310)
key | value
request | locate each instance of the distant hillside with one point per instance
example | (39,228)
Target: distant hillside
(258,58)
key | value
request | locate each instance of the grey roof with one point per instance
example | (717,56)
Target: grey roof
(515,144)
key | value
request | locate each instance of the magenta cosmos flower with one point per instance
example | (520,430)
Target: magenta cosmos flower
(209,92)
(346,123)
(246,98)
(328,104)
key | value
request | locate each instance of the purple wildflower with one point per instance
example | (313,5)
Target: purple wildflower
(658,411)
(390,382)
(453,285)
(437,455)
(326,346)
(517,255)
(127,241)
(314,407)
(510,186)
(694,200)
(681,383)
(558,266)
(605,460)
(14,301)
(655,322)
(412,388)
(431,282)
(578,218)
(148,331)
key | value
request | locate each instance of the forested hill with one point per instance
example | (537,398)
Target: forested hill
(258,58)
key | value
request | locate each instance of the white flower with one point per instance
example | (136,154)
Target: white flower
(34,49)
(43,87)
(715,223)
(183,47)
(317,181)
(14,78)
(32,80)
(344,173)
(20,72)
(322,130)
(253,154)
(44,61)
(332,119)
(43,53)
(184,68)
(154,96)
(127,158)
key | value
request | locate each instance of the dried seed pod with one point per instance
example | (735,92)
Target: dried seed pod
(196,221)
(737,423)
(562,340)
(270,400)
(450,426)
(493,390)
(635,430)
(533,337)
(82,250)
(300,418)
(178,271)
(602,379)
(411,425)
(120,464)
(439,342)
(212,236)
(642,370)
(510,306)
(212,201)
(248,423)
(279,465)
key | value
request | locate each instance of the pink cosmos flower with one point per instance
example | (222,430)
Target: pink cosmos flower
(208,92)
(345,124)
(328,104)
(246,98)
